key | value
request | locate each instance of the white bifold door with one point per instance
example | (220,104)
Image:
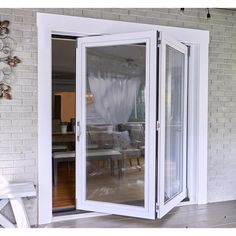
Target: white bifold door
(172,132)
(131,107)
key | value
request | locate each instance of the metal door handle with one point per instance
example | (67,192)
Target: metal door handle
(78,131)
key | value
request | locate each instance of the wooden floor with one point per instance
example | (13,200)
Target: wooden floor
(214,215)
(63,193)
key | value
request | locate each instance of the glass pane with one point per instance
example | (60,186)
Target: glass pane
(174,118)
(115,129)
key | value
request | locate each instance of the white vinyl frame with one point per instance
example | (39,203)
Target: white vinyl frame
(150,40)
(48,24)
(163,207)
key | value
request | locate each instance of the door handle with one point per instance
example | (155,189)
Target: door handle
(78,131)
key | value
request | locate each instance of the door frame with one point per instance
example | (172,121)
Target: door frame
(150,39)
(48,24)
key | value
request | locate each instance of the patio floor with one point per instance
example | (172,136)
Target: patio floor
(213,215)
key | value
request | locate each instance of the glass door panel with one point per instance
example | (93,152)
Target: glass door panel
(116,166)
(115,127)
(173,118)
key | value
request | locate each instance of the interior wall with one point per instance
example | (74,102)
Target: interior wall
(67,105)
(18,117)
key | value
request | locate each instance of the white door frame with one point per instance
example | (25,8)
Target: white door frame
(150,39)
(49,24)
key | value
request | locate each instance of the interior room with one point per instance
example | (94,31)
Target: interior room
(63,123)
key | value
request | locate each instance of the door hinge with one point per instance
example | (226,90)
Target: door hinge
(158,38)
(158,125)
(157,207)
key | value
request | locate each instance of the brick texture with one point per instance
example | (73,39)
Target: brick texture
(18,117)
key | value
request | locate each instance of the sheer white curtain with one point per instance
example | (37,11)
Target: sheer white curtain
(114,97)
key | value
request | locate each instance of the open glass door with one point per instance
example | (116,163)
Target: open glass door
(172,115)
(116,124)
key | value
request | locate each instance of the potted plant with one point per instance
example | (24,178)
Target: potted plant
(64,127)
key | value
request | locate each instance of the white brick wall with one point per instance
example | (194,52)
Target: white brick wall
(18,117)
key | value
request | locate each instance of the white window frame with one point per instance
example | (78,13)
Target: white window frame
(49,24)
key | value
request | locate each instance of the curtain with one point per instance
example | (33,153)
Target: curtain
(114,97)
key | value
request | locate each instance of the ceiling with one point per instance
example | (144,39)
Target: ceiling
(64,55)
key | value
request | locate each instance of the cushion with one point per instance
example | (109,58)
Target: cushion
(137,135)
(136,132)
(130,126)
(121,140)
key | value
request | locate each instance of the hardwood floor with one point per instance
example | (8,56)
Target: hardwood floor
(63,193)
(213,215)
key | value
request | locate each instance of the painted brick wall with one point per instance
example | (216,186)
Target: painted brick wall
(18,117)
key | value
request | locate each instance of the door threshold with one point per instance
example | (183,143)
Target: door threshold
(76,216)
(67,211)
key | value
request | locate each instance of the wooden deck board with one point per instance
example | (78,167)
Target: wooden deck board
(213,215)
